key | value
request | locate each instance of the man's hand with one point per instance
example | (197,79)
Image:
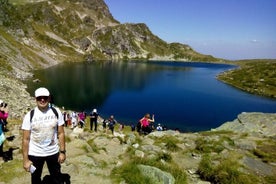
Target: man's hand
(61,158)
(27,164)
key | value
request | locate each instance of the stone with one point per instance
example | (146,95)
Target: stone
(157,175)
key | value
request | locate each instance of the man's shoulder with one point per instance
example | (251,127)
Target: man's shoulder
(55,108)
(56,111)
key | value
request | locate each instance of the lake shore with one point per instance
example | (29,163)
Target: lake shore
(244,146)
(253,76)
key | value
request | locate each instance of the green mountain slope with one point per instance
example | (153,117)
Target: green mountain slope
(35,34)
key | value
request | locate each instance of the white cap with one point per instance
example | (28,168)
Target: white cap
(94,110)
(42,92)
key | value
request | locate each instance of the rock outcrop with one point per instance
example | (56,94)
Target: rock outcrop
(253,123)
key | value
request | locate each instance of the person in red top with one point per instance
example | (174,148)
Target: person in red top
(145,123)
(3,114)
(3,121)
(81,117)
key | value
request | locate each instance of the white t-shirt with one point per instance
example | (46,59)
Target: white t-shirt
(43,138)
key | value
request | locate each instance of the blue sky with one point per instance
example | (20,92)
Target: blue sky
(229,29)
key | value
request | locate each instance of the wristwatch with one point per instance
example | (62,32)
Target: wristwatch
(63,151)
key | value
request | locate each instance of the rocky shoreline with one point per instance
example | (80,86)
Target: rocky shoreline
(95,156)
(13,92)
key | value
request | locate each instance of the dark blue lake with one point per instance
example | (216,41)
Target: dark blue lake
(181,95)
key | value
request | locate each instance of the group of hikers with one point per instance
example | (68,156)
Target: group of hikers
(144,126)
(78,119)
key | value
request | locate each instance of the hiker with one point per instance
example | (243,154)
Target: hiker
(94,120)
(43,138)
(146,123)
(105,123)
(159,127)
(4,115)
(139,127)
(111,123)
(132,128)
(2,139)
(66,118)
(69,120)
(74,119)
(121,127)
(81,118)
(3,119)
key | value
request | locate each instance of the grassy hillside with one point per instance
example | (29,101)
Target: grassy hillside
(254,76)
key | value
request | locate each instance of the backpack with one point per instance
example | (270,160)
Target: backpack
(111,124)
(53,109)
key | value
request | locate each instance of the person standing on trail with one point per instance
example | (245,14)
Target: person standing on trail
(94,120)
(43,138)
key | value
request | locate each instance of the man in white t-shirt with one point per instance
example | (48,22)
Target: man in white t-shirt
(43,138)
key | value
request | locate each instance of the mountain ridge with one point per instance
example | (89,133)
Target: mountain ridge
(44,33)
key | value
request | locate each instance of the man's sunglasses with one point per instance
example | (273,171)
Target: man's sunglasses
(42,97)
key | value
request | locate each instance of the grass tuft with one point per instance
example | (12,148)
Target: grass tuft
(226,171)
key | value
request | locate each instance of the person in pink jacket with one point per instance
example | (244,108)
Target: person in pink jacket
(81,117)
(3,121)
(145,123)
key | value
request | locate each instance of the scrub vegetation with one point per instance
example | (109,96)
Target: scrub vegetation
(224,170)
(130,172)
(220,166)
(253,76)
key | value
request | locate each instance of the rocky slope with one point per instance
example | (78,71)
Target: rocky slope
(243,149)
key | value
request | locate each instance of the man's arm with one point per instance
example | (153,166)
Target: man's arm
(25,149)
(62,148)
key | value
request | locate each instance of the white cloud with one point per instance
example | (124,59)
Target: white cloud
(254,41)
